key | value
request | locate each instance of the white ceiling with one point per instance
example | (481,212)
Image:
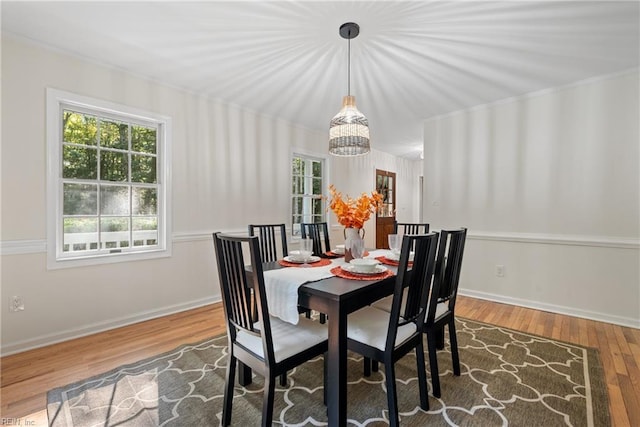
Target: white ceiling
(411,61)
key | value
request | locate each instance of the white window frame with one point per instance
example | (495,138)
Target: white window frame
(325,177)
(57,100)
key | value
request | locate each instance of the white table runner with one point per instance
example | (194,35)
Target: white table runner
(281,286)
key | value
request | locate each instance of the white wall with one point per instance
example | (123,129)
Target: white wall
(231,167)
(549,186)
(357,175)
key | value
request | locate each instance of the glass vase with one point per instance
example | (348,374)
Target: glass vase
(353,243)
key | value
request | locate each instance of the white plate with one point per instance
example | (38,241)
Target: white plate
(393,257)
(351,269)
(311,260)
(338,251)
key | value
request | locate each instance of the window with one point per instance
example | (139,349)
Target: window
(307,190)
(108,190)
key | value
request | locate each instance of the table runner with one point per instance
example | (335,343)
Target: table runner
(281,286)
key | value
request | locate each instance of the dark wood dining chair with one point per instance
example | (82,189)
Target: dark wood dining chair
(269,346)
(268,240)
(319,233)
(446,279)
(441,308)
(268,243)
(388,336)
(410,228)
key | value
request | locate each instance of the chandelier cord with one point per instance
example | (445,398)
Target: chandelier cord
(349,72)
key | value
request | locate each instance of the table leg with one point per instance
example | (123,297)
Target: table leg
(440,338)
(244,374)
(337,368)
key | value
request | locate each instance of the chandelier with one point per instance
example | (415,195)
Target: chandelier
(349,129)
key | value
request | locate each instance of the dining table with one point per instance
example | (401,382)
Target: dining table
(336,297)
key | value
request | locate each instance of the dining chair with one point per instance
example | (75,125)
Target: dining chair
(410,228)
(319,233)
(441,308)
(388,336)
(268,345)
(268,240)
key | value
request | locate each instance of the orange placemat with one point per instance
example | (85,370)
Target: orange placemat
(321,263)
(333,254)
(337,271)
(383,259)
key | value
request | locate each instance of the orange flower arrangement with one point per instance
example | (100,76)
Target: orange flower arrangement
(354,212)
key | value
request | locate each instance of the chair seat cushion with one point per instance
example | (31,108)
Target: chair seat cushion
(288,339)
(369,326)
(385,304)
(441,309)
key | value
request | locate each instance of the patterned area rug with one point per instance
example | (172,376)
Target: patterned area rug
(508,378)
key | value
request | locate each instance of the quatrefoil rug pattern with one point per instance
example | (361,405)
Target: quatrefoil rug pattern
(508,378)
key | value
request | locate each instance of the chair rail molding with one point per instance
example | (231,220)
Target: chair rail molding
(19,247)
(557,239)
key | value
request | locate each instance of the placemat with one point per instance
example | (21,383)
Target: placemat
(383,259)
(334,254)
(337,271)
(321,263)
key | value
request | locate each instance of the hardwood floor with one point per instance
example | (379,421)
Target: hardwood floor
(27,376)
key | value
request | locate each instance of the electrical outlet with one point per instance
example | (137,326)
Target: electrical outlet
(16,303)
(500,270)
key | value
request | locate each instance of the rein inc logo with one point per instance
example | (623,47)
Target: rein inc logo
(16,422)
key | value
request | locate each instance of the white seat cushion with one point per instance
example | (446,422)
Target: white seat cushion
(369,325)
(385,304)
(441,309)
(288,339)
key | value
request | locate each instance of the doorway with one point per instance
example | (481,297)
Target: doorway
(386,216)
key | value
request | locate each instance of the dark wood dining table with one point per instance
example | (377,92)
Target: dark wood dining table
(336,297)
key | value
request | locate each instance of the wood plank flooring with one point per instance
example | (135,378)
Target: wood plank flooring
(26,377)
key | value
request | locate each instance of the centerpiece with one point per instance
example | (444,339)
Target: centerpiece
(352,214)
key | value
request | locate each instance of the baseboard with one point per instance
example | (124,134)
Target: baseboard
(70,334)
(553,308)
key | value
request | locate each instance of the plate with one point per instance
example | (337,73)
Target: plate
(338,251)
(351,269)
(311,260)
(393,257)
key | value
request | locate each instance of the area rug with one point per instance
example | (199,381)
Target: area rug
(508,378)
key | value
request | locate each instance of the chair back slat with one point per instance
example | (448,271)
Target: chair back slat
(236,286)
(319,233)
(268,240)
(410,228)
(416,280)
(448,267)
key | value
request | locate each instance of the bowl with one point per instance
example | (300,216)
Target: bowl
(299,255)
(364,265)
(393,256)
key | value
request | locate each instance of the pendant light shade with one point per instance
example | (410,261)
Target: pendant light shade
(349,129)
